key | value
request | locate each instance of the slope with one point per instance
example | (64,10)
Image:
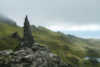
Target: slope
(72,49)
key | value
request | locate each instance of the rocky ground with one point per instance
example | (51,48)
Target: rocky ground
(36,56)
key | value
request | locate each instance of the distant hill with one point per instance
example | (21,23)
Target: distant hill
(4,19)
(70,48)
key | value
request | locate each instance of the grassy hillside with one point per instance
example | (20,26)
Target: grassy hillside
(71,49)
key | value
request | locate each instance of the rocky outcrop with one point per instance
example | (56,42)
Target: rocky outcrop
(29,53)
(36,56)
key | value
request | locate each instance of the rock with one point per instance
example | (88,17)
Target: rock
(15,35)
(28,38)
(39,58)
(6,52)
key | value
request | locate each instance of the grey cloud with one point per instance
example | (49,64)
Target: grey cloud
(41,12)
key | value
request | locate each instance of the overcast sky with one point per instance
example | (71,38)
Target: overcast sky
(78,17)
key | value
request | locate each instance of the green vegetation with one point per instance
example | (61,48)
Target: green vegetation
(71,49)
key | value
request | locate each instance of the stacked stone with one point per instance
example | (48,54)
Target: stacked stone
(28,38)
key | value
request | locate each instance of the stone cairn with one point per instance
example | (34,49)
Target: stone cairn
(30,54)
(28,38)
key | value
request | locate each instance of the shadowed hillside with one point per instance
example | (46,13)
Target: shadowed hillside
(4,19)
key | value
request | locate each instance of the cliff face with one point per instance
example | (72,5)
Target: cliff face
(30,54)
